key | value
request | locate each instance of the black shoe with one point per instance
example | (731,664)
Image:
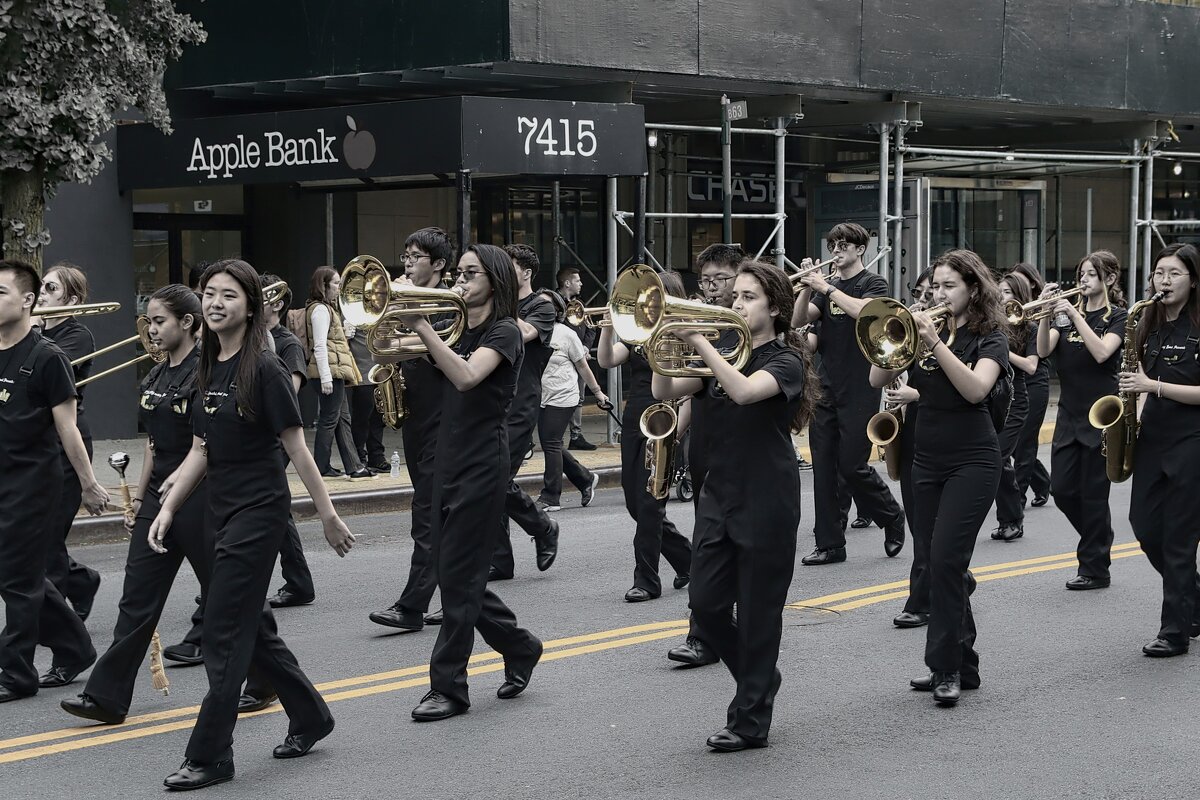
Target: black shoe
(84,706)
(861,522)
(580,443)
(946,688)
(7,695)
(833,555)
(546,546)
(496,575)
(639,595)
(1040,500)
(516,675)
(1195,631)
(298,744)
(332,472)
(286,599)
(893,537)
(184,653)
(726,741)
(60,676)
(362,474)
(83,606)
(436,617)
(380,466)
(1161,648)
(693,653)
(194,775)
(911,619)
(397,616)
(1082,583)
(681,581)
(248,703)
(590,491)
(967,680)
(1008,532)
(436,706)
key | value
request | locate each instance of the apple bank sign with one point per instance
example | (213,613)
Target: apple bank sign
(275,149)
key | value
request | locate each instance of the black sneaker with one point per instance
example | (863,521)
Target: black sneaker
(580,443)
(332,472)
(361,474)
(590,491)
(379,466)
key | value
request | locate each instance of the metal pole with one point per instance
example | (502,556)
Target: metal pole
(556,224)
(464,209)
(1015,155)
(1058,223)
(1087,238)
(668,196)
(651,187)
(726,174)
(1134,184)
(639,220)
(884,144)
(614,375)
(780,188)
(1147,211)
(896,282)
(329,228)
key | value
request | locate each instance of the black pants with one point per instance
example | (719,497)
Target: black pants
(75,581)
(838,438)
(419,451)
(297,577)
(148,579)
(1009,508)
(333,424)
(239,630)
(754,569)
(918,576)
(552,424)
(1080,488)
(518,506)
(366,425)
(1031,472)
(953,495)
(654,535)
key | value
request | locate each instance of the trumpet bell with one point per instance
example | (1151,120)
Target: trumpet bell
(579,316)
(636,304)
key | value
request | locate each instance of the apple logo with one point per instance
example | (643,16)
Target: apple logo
(358,147)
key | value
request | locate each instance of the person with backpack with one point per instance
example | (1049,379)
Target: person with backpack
(956,456)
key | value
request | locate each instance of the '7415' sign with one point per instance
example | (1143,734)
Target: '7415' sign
(558,137)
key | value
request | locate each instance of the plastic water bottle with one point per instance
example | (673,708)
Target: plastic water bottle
(395,463)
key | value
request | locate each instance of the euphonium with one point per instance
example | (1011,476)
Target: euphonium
(389,394)
(883,430)
(1116,414)
(1037,309)
(659,423)
(579,316)
(642,313)
(887,333)
(369,298)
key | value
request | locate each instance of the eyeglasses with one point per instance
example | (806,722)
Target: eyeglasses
(715,282)
(468,275)
(412,258)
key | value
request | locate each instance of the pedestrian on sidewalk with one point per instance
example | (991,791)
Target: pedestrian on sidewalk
(570,285)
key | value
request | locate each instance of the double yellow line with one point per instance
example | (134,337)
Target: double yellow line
(65,740)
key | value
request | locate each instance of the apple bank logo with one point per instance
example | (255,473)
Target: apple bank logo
(358,148)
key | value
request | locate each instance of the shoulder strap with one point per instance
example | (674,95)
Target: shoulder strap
(39,344)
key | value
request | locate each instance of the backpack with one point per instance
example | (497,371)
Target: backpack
(1000,398)
(297,323)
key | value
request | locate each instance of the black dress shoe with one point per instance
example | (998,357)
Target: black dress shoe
(496,575)
(580,443)
(380,466)
(681,581)
(194,775)
(60,676)
(726,741)
(83,605)
(397,616)
(1161,648)
(639,595)
(248,703)
(298,744)
(1081,583)
(7,695)
(946,688)
(435,618)
(833,555)
(184,653)
(332,472)
(911,619)
(1040,500)
(516,674)
(286,599)
(436,706)
(693,653)
(546,546)
(966,680)
(1008,532)
(84,706)
(860,523)
(893,537)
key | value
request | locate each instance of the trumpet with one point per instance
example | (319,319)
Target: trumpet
(371,299)
(1038,309)
(579,316)
(643,314)
(887,333)
(143,335)
(81,310)
(795,277)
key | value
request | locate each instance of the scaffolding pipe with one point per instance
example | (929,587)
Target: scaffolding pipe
(898,216)
(1087,238)
(697,215)
(710,129)
(726,173)
(1147,209)
(884,157)
(668,195)
(556,223)
(780,188)
(614,375)
(1170,223)
(770,237)
(1134,185)
(1022,156)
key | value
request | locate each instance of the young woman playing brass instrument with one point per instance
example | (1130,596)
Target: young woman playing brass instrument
(1022,355)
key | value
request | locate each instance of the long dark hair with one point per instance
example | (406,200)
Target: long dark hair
(1107,266)
(1018,335)
(253,344)
(318,285)
(503,276)
(1154,316)
(181,301)
(780,299)
(1029,272)
(672,282)
(985,312)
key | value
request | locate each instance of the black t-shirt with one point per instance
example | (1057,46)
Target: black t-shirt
(1020,376)
(1170,355)
(949,422)
(28,441)
(165,410)
(843,368)
(245,458)
(539,312)
(640,376)
(698,439)
(424,386)
(291,352)
(1083,381)
(76,341)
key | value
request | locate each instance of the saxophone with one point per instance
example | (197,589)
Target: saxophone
(658,424)
(883,431)
(1116,415)
(389,394)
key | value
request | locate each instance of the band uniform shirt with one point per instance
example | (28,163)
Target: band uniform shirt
(844,369)
(560,379)
(1170,427)
(1082,381)
(539,312)
(291,352)
(165,410)
(29,446)
(76,341)
(698,448)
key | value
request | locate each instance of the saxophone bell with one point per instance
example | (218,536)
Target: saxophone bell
(658,424)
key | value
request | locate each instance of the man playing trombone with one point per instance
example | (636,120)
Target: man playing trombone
(838,435)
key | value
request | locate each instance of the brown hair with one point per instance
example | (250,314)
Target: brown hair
(1018,335)
(1029,272)
(672,283)
(319,284)
(74,281)
(1107,266)
(850,232)
(985,312)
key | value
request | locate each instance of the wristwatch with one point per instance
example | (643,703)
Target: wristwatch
(829,292)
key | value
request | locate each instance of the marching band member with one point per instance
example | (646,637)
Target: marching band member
(471,480)
(654,535)
(1031,473)
(1164,504)
(1022,355)
(838,436)
(956,458)
(1087,356)
(246,417)
(166,406)
(37,401)
(745,553)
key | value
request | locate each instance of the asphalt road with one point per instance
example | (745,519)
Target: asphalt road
(1068,707)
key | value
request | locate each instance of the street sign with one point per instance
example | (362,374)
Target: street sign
(736,111)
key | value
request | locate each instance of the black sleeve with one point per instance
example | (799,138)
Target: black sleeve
(820,301)
(292,354)
(994,346)
(52,371)
(278,404)
(787,368)
(541,316)
(1031,340)
(1116,323)
(75,341)
(505,338)
(874,286)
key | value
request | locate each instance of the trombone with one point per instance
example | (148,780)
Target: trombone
(1038,309)
(371,299)
(642,313)
(887,333)
(579,316)
(795,277)
(143,335)
(80,310)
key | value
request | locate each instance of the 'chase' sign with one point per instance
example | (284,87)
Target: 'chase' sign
(421,137)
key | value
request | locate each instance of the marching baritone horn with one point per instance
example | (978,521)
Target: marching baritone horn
(370,299)
(389,394)
(579,316)
(1038,309)
(887,333)
(658,424)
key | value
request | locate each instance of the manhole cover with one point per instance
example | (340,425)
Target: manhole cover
(808,615)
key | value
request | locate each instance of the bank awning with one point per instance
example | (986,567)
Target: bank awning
(439,136)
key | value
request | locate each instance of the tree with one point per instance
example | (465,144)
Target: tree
(67,69)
